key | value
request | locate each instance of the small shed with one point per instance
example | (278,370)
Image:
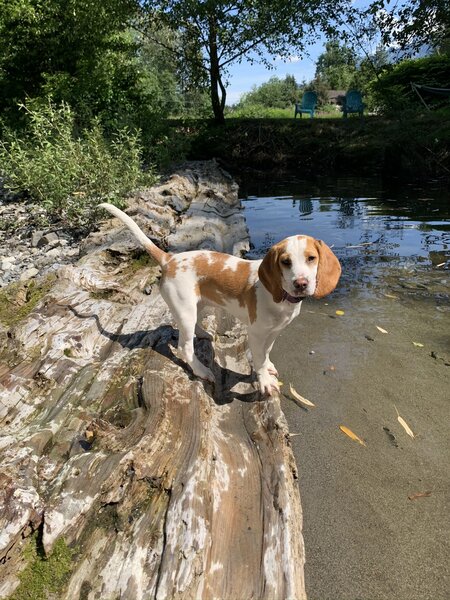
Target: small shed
(336,97)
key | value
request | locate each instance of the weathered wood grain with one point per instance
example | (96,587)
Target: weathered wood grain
(163,485)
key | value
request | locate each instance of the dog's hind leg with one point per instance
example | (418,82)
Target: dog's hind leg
(184,312)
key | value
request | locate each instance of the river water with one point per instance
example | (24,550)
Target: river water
(394,242)
(385,350)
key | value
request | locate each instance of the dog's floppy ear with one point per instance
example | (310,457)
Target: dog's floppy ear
(328,271)
(269,273)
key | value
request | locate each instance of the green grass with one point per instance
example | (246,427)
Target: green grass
(263,112)
(44,577)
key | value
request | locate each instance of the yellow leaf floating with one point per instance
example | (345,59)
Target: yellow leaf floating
(351,435)
(298,398)
(404,424)
(418,344)
(340,312)
(381,329)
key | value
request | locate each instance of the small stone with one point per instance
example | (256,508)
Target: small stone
(6,265)
(36,237)
(29,274)
(53,252)
(46,239)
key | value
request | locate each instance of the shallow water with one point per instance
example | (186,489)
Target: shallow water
(379,344)
(386,239)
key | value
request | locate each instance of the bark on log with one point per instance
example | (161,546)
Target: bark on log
(164,486)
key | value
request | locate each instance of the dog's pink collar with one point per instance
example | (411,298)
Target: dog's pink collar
(291,299)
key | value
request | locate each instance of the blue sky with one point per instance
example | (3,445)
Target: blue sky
(245,75)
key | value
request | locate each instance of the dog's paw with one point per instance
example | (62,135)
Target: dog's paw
(268,384)
(203,372)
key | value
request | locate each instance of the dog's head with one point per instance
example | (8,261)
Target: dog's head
(300,266)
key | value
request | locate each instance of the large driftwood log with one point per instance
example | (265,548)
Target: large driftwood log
(164,486)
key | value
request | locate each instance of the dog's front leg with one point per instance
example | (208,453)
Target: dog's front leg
(260,343)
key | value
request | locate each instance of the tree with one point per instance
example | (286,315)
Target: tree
(413,24)
(220,32)
(69,49)
(86,55)
(336,66)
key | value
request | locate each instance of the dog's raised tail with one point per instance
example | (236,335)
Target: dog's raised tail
(159,255)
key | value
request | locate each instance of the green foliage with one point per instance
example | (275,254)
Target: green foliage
(392,89)
(71,50)
(44,576)
(275,93)
(413,24)
(336,66)
(86,55)
(71,174)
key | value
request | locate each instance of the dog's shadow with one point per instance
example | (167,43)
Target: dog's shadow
(163,339)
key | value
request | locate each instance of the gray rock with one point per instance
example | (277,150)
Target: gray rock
(36,237)
(46,239)
(7,265)
(53,252)
(29,274)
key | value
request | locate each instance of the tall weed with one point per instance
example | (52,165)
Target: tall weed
(70,173)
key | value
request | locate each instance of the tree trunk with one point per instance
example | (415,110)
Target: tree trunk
(162,485)
(217,89)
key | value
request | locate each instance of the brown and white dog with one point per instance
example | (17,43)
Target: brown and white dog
(264,294)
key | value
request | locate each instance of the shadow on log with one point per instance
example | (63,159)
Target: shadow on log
(162,485)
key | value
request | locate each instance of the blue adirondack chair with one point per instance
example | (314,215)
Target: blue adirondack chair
(353,103)
(307,105)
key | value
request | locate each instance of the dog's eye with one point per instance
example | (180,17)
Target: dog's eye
(311,258)
(287,262)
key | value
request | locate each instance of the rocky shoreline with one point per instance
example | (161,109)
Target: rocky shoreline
(29,247)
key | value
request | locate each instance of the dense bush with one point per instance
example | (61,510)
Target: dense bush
(69,173)
(275,93)
(392,90)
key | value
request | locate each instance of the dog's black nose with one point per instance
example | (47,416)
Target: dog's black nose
(301,284)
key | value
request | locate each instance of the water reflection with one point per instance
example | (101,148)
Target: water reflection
(411,234)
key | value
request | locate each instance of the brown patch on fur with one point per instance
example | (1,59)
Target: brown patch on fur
(311,249)
(170,268)
(217,282)
(270,272)
(328,271)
